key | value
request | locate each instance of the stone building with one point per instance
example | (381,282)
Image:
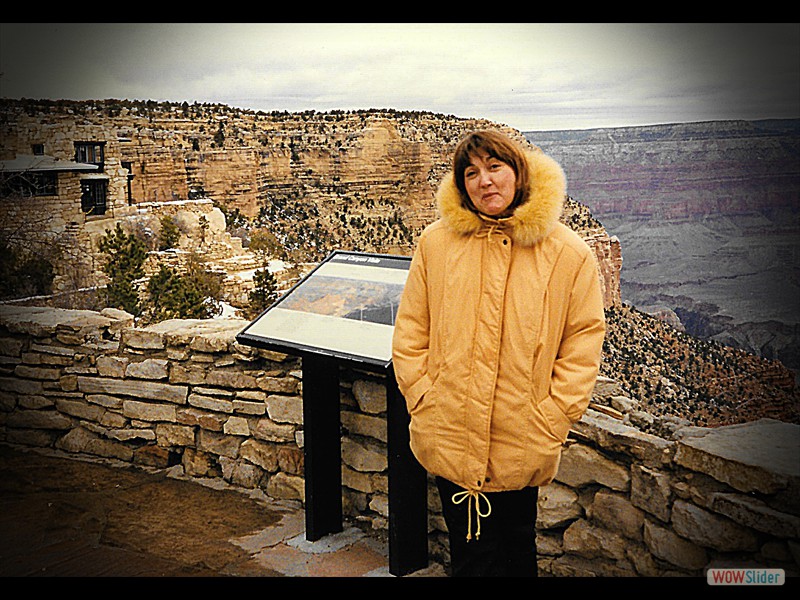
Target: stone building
(67,178)
(59,191)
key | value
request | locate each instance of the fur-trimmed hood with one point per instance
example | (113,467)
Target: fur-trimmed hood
(531,221)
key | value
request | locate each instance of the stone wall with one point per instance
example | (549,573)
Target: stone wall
(625,503)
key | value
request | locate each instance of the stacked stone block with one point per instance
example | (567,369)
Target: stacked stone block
(184,394)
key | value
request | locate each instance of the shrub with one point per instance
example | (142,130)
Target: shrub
(22,276)
(125,256)
(264,293)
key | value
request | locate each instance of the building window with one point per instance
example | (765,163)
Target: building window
(45,184)
(28,183)
(93,196)
(37,149)
(90,152)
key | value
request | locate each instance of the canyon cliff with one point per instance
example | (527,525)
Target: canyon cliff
(363,181)
(708,215)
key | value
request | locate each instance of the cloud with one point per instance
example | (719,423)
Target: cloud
(530,76)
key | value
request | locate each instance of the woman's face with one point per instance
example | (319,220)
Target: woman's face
(490,184)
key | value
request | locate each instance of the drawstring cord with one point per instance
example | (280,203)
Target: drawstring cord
(492,226)
(488,231)
(473,496)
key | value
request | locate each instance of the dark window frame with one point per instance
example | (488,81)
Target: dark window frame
(93,196)
(28,184)
(92,153)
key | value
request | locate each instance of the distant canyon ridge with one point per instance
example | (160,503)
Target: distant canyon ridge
(365,181)
(708,216)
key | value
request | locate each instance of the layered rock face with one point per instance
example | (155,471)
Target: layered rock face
(362,181)
(359,181)
(681,171)
(708,215)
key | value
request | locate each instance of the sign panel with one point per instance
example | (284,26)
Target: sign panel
(344,308)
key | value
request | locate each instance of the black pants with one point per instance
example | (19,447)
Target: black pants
(507,543)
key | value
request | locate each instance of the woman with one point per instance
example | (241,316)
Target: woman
(496,348)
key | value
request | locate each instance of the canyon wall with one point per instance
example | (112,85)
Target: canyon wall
(360,180)
(681,171)
(708,215)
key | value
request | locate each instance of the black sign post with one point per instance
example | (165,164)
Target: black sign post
(408,493)
(342,314)
(322,447)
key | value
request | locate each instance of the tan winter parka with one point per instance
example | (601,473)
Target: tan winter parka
(498,338)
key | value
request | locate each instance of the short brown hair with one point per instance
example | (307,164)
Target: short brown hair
(496,145)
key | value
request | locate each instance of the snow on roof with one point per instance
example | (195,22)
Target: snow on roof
(42,162)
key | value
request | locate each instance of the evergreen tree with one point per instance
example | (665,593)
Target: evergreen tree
(169,235)
(161,292)
(204,225)
(264,245)
(219,137)
(194,294)
(125,256)
(264,293)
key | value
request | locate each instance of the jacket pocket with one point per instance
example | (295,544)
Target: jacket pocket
(424,429)
(545,435)
(557,422)
(417,392)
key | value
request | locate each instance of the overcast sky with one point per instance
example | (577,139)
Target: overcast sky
(528,76)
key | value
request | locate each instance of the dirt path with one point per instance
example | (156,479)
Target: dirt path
(66,517)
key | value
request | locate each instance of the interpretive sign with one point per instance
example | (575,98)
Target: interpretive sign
(344,311)
(344,308)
